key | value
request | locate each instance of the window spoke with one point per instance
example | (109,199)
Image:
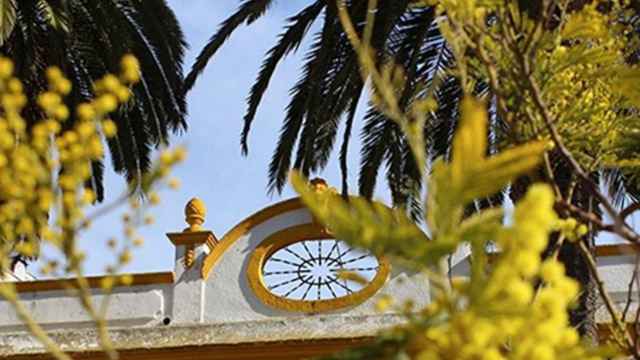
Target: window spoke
(310,272)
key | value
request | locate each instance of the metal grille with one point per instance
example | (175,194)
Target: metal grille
(309,270)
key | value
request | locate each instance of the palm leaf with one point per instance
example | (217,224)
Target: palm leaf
(315,59)
(55,16)
(376,133)
(248,12)
(289,41)
(7,19)
(344,149)
(100,33)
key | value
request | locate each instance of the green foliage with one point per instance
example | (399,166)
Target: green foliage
(7,19)
(86,40)
(368,224)
(501,311)
(331,79)
(581,68)
(453,186)
(471,175)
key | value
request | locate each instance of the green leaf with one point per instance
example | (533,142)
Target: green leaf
(493,174)
(482,226)
(7,19)
(371,225)
(471,174)
(470,141)
(56,17)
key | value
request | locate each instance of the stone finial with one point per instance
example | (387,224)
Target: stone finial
(193,237)
(319,184)
(195,212)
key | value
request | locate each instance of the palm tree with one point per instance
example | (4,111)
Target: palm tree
(331,80)
(86,39)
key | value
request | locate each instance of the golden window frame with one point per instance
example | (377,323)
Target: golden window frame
(292,235)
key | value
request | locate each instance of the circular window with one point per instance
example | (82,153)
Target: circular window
(298,269)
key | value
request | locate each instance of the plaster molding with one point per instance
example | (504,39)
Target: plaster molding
(94,282)
(244,227)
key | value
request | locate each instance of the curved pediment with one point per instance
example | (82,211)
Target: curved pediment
(244,227)
(265,267)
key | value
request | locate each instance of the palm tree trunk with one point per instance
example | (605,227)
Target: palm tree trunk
(582,315)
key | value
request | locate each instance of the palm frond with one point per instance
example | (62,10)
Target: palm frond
(8,15)
(376,133)
(248,12)
(316,59)
(289,41)
(344,149)
(87,39)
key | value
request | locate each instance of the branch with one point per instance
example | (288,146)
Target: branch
(620,226)
(585,216)
(101,323)
(634,276)
(34,328)
(608,302)
(629,210)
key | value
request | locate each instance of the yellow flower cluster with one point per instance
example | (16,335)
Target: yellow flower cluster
(504,316)
(581,66)
(79,146)
(513,305)
(25,169)
(588,23)
(562,70)
(572,229)
(44,166)
(136,217)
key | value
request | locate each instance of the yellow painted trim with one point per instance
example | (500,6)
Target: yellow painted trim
(293,235)
(95,282)
(243,227)
(601,251)
(192,238)
(275,350)
(617,249)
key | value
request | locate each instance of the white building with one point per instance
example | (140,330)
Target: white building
(267,289)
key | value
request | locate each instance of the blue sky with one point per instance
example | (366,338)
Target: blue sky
(232,186)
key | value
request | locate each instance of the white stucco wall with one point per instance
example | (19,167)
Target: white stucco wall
(229,297)
(131,306)
(227,293)
(223,308)
(224,298)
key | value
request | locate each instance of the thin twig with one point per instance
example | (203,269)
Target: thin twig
(608,302)
(584,216)
(34,328)
(630,290)
(629,210)
(101,323)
